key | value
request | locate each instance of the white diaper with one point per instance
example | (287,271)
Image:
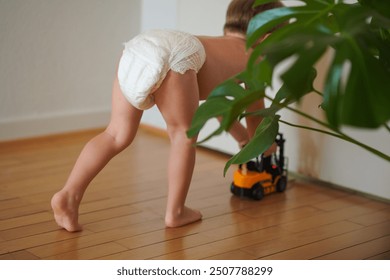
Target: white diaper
(148,57)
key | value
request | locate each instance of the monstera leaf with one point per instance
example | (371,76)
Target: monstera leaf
(357,97)
(357,85)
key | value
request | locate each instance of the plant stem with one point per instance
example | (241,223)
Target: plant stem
(307,116)
(343,137)
(312,128)
(318,92)
(368,148)
(338,134)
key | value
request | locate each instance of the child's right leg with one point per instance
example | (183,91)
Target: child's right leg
(96,154)
(177,100)
(238,132)
(243,134)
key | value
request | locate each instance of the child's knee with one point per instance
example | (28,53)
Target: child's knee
(178,133)
(120,140)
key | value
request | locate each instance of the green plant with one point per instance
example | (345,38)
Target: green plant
(357,86)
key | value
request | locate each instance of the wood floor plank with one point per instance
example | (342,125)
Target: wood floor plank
(383,256)
(361,251)
(50,225)
(223,236)
(93,239)
(233,255)
(122,221)
(335,243)
(27,210)
(108,213)
(204,238)
(25,220)
(11,203)
(29,230)
(340,203)
(284,205)
(89,253)
(19,255)
(221,246)
(372,218)
(37,240)
(295,240)
(152,250)
(334,216)
(175,233)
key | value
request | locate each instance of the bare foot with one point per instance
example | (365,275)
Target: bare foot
(66,211)
(187,216)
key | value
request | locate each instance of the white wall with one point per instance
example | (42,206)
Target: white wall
(202,17)
(57,62)
(157,14)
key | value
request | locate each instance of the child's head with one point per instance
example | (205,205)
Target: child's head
(240,12)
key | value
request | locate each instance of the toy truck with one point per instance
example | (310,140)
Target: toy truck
(258,178)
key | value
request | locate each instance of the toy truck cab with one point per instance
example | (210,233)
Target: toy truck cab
(256,179)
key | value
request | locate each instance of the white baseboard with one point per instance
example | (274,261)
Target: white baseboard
(32,127)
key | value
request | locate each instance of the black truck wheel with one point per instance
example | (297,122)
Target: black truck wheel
(257,191)
(282,184)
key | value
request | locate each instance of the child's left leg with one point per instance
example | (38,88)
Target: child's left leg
(95,155)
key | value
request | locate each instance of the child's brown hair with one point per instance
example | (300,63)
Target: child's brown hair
(240,12)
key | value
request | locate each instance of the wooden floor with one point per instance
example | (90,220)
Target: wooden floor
(123,210)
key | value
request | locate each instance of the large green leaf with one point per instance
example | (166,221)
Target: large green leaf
(279,102)
(278,46)
(362,101)
(366,103)
(208,110)
(305,16)
(263,22)
(332,90)
(259,75)
(227,101)
(264,137)
(299,85)
(346,28)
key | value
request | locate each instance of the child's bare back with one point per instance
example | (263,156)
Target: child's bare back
(225,57)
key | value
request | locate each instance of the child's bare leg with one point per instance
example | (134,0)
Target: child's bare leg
(95,155)
(238,132)
(178,99)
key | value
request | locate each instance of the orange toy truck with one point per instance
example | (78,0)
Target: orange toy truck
(258,178)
